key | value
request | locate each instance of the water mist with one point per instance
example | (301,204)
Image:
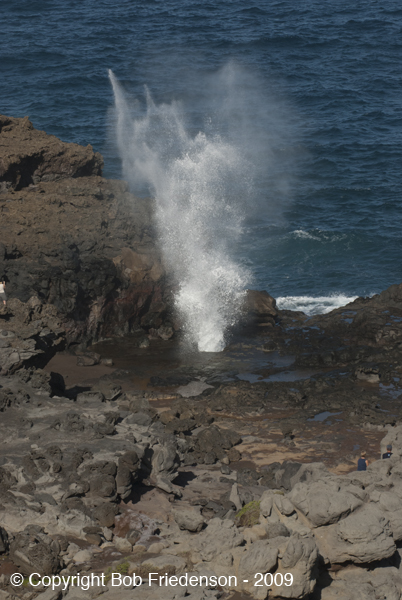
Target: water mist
(200,181)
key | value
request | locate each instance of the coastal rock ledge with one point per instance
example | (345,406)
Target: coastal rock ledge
(74,239)
(185,479)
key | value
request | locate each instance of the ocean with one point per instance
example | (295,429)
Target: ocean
(310,91)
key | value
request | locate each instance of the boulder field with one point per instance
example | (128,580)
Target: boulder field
(244,481)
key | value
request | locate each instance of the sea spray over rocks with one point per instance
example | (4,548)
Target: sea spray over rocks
(201,183)
(314,305)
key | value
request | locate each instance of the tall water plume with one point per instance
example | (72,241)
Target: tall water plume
(202,181)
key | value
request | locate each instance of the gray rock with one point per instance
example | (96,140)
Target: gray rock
(284,506)
(285,475)
(359,584)
(363,537)
(234,496)
(93,538)
(189,519)
(122,544)
(166,563)
(393,437)
(300,558)
(277,530)
(107,534)
(105,514)
(88,359)
(82,556)
(262,557)
(90,396)
(165,332)
(45,498)
(165,461)
(137,402)
(110,390)
(219,536)
(50,594)
(325,502)
(133,535)
(310,472)
(194,388)
(139,418)
(124,480)
(215,440)
(35,552)
(4,545)
(108,362)
(266,503)
(103,486)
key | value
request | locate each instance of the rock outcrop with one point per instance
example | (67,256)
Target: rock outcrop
(30,336)
(75,240)
(29,156)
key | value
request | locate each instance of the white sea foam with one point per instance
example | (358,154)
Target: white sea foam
(300,233)
(199,183)
(318,235)
(311,305)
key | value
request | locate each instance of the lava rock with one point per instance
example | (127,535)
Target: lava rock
(32,551)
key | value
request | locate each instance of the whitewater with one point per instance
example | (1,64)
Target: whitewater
(198,182)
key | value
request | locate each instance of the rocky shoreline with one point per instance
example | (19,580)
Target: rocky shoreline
(74,239)
(222,469)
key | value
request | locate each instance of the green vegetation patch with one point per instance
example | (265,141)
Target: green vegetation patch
(121,568)
(249,515)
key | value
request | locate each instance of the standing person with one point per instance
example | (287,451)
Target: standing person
(362,463)
(3,292)
(388,453)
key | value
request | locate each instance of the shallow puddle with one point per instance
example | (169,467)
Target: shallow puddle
(324,415)
(169,363)
(288,376)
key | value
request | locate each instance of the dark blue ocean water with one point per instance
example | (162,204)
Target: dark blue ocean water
(329,212)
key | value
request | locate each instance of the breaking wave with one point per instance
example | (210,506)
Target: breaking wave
(311,305)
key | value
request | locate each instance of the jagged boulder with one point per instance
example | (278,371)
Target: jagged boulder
(212,443)
(32,551)
(359,584)
(189,519)
(363,537)
(219,536)
(325,502)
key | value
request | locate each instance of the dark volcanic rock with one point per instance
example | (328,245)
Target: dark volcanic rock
(212,443)
(32,551)
(28,156)
(285,474)
(105,514)
(75,240)
(261,306)
(3,540)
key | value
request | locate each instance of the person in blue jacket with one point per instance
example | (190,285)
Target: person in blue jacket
(362,463)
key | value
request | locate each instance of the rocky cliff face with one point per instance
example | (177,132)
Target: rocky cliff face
(74,239)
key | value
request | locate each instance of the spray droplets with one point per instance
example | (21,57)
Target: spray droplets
(199,183)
